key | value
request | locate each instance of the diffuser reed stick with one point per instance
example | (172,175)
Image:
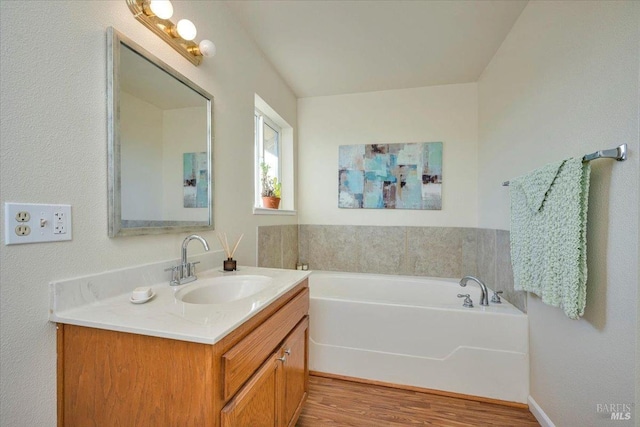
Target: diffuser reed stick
(236,246)
(226,245)
(224,242)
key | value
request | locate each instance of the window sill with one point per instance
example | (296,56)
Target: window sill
(266,211)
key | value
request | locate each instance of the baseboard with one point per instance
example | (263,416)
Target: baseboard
(540,415)
(422,390)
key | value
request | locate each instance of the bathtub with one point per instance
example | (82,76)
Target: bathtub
(413,331)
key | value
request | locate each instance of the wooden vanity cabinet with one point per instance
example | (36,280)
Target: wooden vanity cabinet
(275,394)
(257,403)
(295,373)
(255,376)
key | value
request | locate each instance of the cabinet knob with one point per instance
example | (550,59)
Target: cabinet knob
(282,359)
(287,352)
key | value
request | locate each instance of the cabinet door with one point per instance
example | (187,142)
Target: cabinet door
(244,358)
(295,372)
(257,403)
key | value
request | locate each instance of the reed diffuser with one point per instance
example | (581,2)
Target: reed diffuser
(229,264)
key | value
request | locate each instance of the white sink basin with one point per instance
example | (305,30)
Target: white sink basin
(220,290)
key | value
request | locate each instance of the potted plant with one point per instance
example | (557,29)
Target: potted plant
(271,188)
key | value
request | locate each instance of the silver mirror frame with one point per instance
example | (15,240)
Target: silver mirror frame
(114,41)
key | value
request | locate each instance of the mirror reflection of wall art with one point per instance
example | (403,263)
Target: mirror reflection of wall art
(196,180)
(390,176)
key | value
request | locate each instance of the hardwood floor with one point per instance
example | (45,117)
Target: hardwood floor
(341,403)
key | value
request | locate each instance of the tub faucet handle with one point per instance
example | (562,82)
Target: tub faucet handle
(496,297)
(467,300)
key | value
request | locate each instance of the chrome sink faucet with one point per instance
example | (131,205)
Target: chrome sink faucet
(484,294)
(186,271)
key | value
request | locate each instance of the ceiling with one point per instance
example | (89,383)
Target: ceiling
(335,47)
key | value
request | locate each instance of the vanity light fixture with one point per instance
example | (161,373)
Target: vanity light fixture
(186,29)
(155,15)
(163,9)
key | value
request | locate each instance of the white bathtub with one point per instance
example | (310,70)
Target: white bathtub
(414,331)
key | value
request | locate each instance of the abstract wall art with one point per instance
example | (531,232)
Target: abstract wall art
(390,176)
(195,180)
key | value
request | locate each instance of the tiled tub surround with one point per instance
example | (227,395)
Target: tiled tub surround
(278,246)
(450,252)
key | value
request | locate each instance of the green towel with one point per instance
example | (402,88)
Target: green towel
(549,234)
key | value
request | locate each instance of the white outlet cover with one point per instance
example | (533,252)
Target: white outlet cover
(41,222)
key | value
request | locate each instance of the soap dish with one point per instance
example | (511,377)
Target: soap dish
(143,300)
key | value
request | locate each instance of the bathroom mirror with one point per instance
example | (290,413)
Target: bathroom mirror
(160,145)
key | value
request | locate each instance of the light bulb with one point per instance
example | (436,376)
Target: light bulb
(186,29)
(163,9)
(207,48)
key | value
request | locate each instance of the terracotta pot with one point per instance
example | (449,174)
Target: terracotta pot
(270,202)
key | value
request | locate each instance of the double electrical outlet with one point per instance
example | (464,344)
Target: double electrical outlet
(31,223)
(23,229)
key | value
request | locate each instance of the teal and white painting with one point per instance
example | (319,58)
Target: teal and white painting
(390,176)
(195,180)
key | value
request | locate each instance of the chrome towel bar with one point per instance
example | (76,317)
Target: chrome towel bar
(619,153)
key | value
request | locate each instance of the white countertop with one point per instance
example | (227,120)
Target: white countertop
(88,302)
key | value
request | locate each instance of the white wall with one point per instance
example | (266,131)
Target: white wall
(53,149)
(437,113)
(565,83)
(141,153)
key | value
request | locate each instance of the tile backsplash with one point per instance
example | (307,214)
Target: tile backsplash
(450,252)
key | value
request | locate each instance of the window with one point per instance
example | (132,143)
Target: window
(273,148)
(268,149)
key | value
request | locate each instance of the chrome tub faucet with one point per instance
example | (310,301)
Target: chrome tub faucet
(484,294)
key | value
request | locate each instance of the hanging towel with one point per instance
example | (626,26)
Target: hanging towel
(549,234)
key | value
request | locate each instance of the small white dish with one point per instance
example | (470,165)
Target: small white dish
(141,292)
(142,300)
